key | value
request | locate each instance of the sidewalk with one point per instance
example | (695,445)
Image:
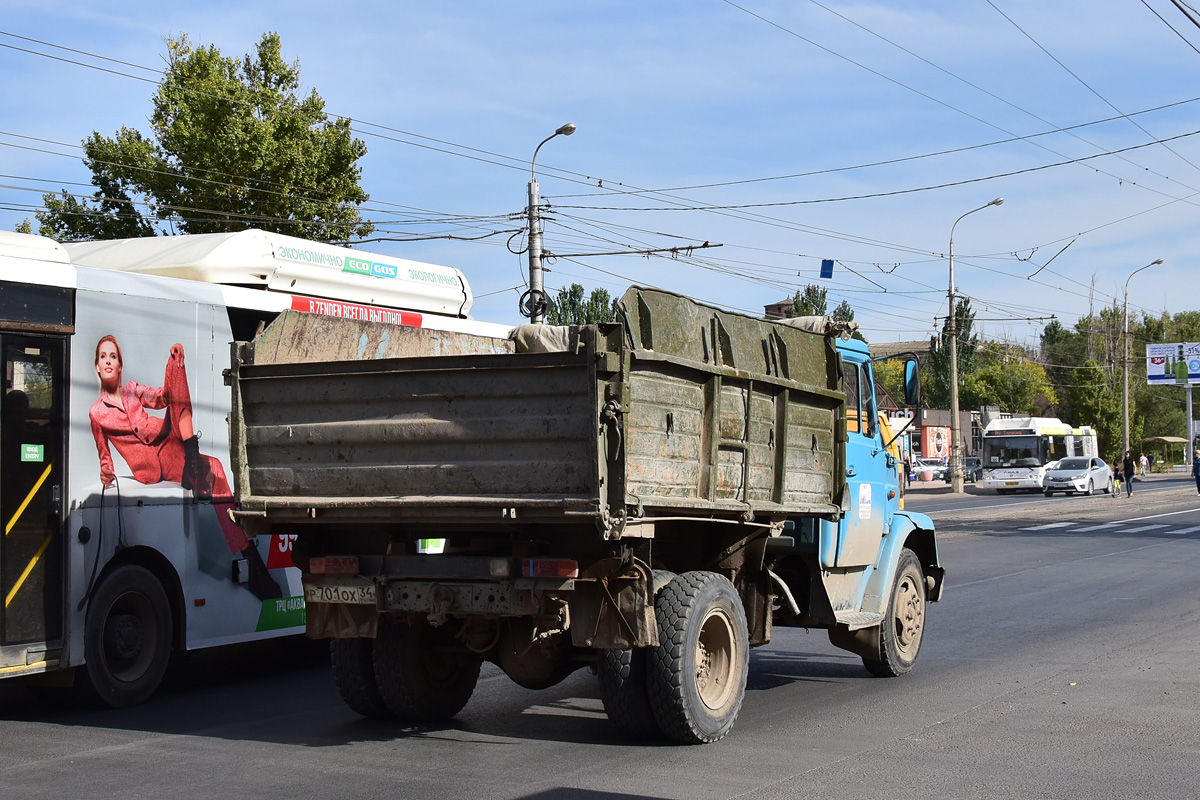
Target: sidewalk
(1179,476)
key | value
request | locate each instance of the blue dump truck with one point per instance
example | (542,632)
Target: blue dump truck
(648,499)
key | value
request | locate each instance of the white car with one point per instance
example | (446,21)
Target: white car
(932,465)
(1077,474)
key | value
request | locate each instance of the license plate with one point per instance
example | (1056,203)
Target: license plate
(1010,483)
(354,592)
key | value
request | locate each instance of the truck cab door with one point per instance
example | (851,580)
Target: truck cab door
(860,532)
(32,472)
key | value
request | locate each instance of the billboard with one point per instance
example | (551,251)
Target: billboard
(1173,364)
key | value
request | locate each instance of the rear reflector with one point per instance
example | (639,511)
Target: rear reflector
(549,568)
(333,565)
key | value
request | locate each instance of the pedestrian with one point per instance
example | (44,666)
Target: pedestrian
(1116,473)
(1151,457)
(1128,470)
(1196,470)
(1144,463)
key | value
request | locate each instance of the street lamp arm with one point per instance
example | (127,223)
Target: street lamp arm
(565,130)
(1136,271)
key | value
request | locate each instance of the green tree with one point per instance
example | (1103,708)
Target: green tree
(23,227)
(1093,402)
(232,146)
(571,308)
(844,313)
(811,301)
(935,381)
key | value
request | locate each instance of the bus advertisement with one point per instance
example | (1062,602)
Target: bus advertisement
(119,546)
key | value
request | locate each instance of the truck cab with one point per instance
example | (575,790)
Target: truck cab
(860,558)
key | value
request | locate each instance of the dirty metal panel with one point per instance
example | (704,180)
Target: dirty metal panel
(809,463)
(664,431)
(478,426)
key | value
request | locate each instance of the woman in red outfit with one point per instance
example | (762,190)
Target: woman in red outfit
(165,448)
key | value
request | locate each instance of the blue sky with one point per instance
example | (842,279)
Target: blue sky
(918,111)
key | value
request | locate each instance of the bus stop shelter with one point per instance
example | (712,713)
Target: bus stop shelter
(1171,445)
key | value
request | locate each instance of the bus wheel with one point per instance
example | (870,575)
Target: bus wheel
(421,671)
(127,638)
(354,674)
(696,677)
(904,622)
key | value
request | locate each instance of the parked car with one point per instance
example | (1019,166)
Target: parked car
(931,465)
(1077,474)
(972,470)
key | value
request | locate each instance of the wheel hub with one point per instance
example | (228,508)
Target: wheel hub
(716,661)
(124,636)
(910,615)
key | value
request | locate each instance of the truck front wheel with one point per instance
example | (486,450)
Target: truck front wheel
(354,673)
(904,623)
(421,673)
(696,677)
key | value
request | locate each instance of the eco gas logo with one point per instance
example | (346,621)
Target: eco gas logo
(356,265)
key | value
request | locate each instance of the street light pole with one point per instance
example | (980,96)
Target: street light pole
(956,475)
(534,302)
(1125,361)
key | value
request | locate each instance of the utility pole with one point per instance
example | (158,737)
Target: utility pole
(535,303)
(956,475)
(1125,363)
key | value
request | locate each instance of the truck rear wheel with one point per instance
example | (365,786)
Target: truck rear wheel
(126,639)
(904,623)
(420,674)
(354,673)
(696,677)
(622,675)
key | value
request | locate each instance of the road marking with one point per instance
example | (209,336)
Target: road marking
(1142,528)
(1048,526)
(1096,527)
(1156,516)
(1182,531)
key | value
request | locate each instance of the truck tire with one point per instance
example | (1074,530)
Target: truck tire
(126,638)
(903,624)
(696,677)
(622,675)
(418,680)
(354,673)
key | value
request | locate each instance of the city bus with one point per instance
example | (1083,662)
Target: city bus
(1016,451)
(118,545)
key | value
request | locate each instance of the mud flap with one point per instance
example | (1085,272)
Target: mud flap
(863,642)
(340,621)
(612,606)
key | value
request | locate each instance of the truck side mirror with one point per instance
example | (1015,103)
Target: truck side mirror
(912,383)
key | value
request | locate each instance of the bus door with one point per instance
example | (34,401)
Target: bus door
(32,470)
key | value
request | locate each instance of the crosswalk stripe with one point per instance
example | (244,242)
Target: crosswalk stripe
(1048,526)
(1142,528)
(1182,531)
(1099,527)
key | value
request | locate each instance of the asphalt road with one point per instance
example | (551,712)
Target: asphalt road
(1060,664)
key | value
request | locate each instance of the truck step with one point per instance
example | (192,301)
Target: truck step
(858,619)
